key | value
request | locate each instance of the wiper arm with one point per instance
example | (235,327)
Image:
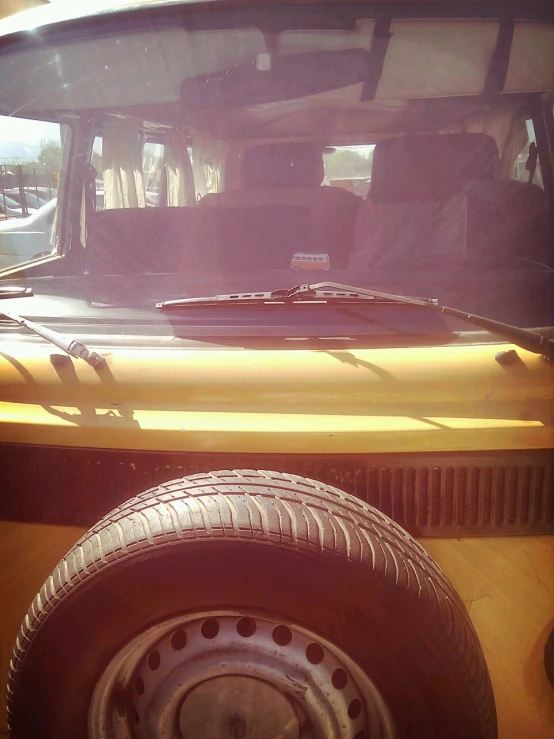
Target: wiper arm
(71,346)
(337,292)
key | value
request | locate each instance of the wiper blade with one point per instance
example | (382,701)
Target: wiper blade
(329,292)
(70,346)
(319,292)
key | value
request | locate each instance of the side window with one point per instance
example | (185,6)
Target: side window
(523,161)
(133,172)
(30,175)
(153,168)
(349,167)
(96,161)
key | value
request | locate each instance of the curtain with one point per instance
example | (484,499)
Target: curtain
(180,181)
(122,161)
(208,156)
(508,129)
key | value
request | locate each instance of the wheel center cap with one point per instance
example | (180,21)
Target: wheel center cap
(237,707)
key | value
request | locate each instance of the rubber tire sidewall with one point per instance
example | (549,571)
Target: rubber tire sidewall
(350,606)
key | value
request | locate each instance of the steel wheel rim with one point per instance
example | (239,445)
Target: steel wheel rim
(254,672)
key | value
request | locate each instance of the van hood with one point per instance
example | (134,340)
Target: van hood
(288,401)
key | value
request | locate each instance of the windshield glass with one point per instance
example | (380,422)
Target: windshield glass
(146,161)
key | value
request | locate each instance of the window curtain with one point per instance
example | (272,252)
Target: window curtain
(122,161)
(180,181)
(208,156)
(507,127)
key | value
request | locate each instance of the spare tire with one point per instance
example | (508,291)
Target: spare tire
(248,603)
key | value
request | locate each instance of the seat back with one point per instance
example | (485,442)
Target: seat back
(192,239)
(149,240)
(417,204)
(508,217)
(291,174)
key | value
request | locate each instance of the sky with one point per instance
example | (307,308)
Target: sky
(31,132)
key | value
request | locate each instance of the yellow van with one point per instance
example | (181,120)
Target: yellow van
(236,504)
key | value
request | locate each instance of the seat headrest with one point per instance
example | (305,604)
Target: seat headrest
(421,167)
(295,164)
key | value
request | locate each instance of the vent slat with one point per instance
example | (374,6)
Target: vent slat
(449,497)
(486,496)
(513,487)
(500,495)
(398,496)
(538,495)
(461,495)
(386,493)
(549,495)
(423,496)
(410,497)
(436,496)
(473,508)
(525,493)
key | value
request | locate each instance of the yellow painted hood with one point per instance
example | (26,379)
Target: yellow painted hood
(287,401)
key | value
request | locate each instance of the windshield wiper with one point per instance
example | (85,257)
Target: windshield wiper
(322,292)
(71,346)
(334,292)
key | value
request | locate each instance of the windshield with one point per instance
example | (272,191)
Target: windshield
(146,161)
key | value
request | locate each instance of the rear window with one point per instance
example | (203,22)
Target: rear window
(349,167)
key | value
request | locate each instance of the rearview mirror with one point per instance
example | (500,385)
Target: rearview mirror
(287,78)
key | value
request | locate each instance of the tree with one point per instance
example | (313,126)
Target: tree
(50,154)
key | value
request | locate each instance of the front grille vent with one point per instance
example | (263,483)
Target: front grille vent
(456,496)
(463,494)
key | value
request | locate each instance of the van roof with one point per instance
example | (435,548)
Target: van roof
(64,12)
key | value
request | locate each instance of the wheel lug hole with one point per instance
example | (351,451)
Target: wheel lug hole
(154,659)
(178,640)
(282,635)
(355,708)
(210,628)
(119,700)
(339,678)
(246,627)
(314,653)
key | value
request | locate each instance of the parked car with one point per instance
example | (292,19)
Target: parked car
(34,198)
(23,239)
(11,208)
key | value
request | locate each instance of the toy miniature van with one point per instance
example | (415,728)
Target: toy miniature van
(311,262)
(238,503)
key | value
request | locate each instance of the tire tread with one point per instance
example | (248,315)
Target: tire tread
(295,512)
